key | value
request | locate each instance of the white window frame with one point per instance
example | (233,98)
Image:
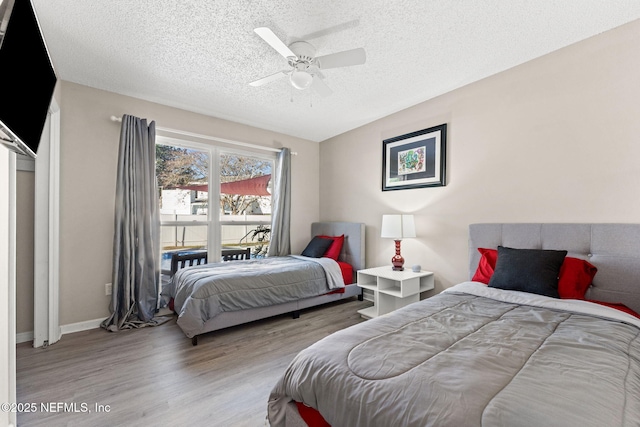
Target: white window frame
(213,222)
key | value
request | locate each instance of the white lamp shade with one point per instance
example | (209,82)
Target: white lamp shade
(398,226)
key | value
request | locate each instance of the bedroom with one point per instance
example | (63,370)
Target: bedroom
(549,140)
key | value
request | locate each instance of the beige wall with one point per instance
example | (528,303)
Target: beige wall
(25,181)
(555,139)
(89,151)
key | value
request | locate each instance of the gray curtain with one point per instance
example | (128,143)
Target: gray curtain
(136,250)
(280,244)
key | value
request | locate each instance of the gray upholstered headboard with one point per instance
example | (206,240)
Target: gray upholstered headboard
(613,248)
(353,247)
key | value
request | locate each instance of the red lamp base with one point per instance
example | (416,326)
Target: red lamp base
(397,261)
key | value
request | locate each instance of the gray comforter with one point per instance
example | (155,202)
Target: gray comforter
(202,292)
(473,356)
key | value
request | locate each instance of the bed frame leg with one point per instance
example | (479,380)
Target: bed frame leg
(295,314)
(361,295)
(194,340)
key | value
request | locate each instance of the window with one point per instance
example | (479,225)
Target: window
(245,202)
(235,214)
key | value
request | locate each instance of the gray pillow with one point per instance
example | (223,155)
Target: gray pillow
(317,247)
(529,270)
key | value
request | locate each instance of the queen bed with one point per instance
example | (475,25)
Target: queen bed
(214,296)
(545,333)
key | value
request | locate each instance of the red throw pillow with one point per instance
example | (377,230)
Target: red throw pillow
(617,306)
(486,266)
(333,251)
(576,274)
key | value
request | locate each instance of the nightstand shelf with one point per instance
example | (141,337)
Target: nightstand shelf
(369,312)
(368,286)
(392,289)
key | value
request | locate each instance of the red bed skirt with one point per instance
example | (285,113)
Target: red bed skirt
(347,276)
(310,416)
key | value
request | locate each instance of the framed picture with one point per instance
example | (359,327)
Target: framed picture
(415,160)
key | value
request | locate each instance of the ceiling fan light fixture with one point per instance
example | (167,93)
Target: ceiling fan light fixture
(305,67)
(300,79)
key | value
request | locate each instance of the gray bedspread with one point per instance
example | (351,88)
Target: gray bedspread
(473,356)
(202,292)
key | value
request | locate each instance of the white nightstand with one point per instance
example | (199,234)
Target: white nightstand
(392,289)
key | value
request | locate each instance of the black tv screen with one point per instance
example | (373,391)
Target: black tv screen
(26,75)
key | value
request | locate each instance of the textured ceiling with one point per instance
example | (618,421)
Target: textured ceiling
(200,55)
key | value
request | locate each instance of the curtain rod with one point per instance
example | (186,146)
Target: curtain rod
(211,138)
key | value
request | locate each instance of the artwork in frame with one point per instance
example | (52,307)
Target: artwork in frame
(415,160)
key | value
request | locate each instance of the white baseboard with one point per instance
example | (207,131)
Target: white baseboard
(24,337)
(64,329)
(80,326)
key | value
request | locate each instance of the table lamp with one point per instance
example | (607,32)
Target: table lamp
(397,227)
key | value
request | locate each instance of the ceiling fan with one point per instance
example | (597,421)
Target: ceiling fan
(305,66)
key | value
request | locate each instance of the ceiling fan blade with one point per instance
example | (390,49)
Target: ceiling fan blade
(268,79)
(273,40)
(320,87)
(334,29)
(342,59)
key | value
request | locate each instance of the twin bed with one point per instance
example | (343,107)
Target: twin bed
(515,346)
(214,296)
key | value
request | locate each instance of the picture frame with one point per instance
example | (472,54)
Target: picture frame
(415,160)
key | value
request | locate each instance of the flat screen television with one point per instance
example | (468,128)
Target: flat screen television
(27,77)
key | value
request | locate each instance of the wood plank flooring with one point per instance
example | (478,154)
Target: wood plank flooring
(154,376)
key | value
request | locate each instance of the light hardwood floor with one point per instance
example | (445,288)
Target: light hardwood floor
(153,376)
